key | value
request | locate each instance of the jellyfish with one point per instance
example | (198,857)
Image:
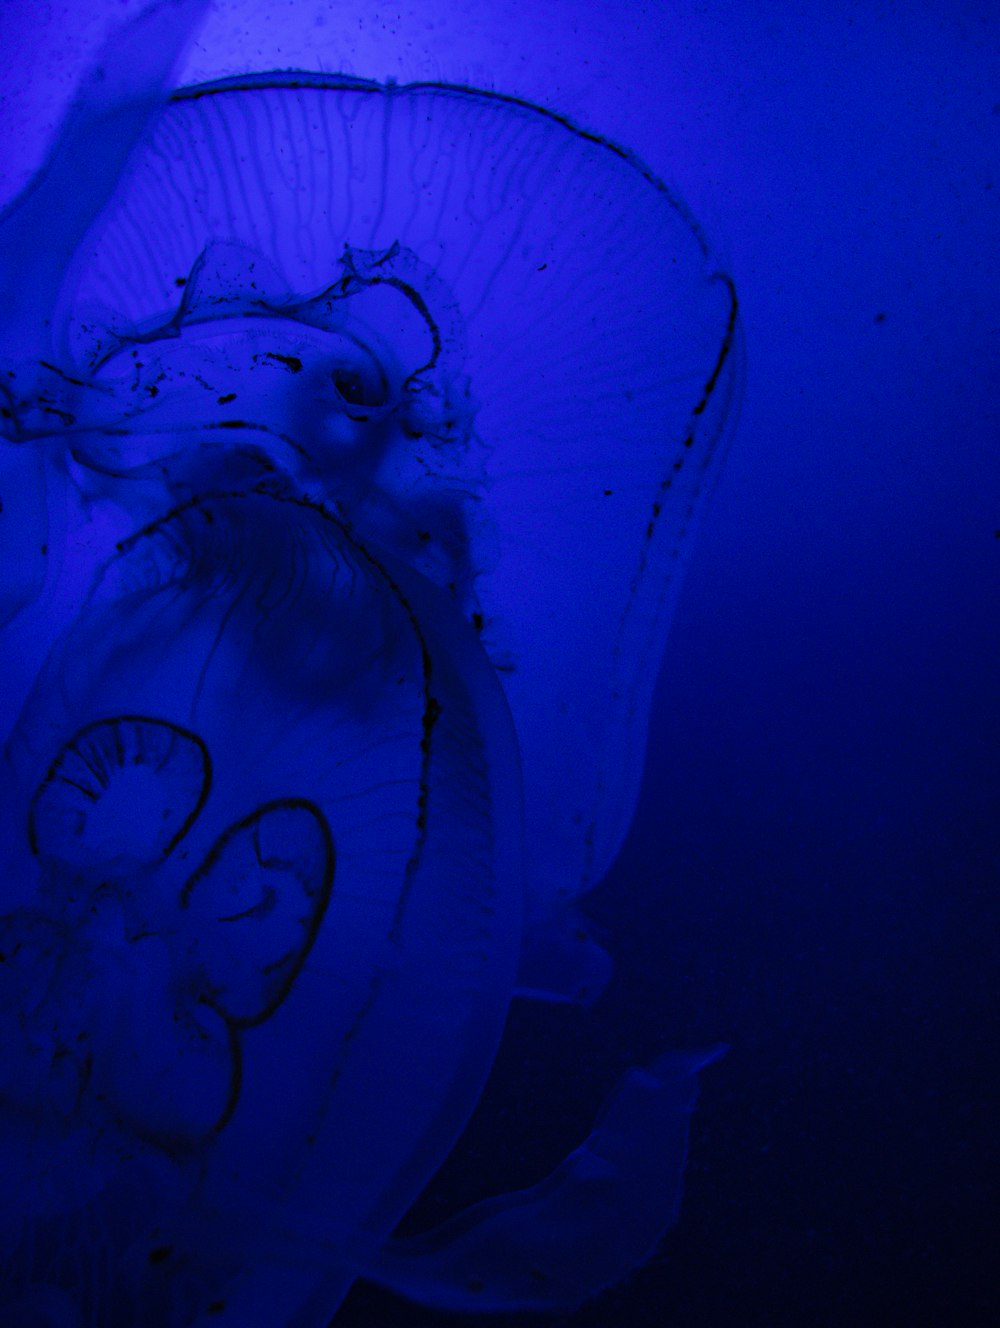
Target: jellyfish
(352,440)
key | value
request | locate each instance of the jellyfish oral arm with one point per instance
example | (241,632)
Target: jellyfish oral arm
(562,961)
(595,1219)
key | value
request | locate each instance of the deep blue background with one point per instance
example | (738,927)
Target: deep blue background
(812,874)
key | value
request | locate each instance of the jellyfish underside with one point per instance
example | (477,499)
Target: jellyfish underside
(340,539)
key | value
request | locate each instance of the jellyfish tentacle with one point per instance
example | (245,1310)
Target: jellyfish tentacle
(590,1223)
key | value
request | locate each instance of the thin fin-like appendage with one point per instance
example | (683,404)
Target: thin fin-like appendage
(42,228)
(562,961)
(595,1219)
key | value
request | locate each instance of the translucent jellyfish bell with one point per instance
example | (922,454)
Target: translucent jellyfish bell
(351,442)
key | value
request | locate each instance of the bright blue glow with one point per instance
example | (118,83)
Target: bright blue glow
(353,438)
